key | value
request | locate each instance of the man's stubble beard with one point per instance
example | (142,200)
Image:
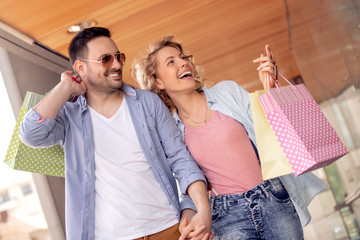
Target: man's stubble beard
(103,84)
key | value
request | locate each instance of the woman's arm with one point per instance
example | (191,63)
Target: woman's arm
(199,224)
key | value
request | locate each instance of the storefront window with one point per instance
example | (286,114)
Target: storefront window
(21,215)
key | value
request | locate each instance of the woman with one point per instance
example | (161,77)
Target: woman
(217,127)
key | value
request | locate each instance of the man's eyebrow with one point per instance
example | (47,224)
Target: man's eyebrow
(105,54)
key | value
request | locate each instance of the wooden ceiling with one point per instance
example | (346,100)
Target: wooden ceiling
(224,35)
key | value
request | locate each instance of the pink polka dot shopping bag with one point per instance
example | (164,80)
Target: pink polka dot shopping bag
(304,133)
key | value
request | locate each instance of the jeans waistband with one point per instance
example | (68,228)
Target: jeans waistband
(260,188)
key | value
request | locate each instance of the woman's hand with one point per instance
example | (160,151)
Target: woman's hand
(266,67)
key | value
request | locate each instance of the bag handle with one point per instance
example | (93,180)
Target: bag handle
(72,98)
(277,84)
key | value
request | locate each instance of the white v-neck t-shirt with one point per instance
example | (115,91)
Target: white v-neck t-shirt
(129,201)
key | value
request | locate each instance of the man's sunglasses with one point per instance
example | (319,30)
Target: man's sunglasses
(108,59)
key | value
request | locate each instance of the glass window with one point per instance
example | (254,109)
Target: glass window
(27,189)
(4,197)
(25,214)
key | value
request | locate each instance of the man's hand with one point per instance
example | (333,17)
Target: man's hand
(74,82)
(195,226)
(52,103)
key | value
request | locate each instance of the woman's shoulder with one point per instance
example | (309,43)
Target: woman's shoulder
(227,86)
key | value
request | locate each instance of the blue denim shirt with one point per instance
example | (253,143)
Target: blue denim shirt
(232,100)
(159,138)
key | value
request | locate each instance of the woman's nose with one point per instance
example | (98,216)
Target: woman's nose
(183,62)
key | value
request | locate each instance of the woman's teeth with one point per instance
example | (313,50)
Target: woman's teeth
(185,74)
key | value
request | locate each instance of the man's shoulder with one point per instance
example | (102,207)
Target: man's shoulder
(146,95)
(144,92)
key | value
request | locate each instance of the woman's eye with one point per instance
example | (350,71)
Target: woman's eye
(170,62)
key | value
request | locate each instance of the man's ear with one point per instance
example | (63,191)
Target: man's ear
(159,84)
(79,67)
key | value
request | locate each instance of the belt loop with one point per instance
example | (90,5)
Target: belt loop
(276,184)
(264,190)
(225,202)
(212,203)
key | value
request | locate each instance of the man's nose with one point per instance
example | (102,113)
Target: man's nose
(116,63)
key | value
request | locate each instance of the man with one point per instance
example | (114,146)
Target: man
(121,149)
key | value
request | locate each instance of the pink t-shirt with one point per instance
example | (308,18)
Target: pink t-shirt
(223,150)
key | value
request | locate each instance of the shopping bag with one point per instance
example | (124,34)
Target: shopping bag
(305,135)
(49,161)
(272,158)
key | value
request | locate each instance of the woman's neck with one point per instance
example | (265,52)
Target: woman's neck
(192,108)
(189,104)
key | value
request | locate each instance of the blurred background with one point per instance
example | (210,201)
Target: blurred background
(315,42)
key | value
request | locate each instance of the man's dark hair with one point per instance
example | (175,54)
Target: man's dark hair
(78,46)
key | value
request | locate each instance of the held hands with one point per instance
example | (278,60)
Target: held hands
(73,82)
(267,65)
(195,226)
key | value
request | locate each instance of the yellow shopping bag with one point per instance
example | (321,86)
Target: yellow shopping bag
(272,157)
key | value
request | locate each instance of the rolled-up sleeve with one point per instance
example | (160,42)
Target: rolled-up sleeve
(35,133)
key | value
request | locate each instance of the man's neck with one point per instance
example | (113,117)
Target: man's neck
(105,103)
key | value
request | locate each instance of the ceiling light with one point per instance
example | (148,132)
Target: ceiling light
(81,26)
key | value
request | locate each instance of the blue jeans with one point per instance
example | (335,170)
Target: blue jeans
(264,212)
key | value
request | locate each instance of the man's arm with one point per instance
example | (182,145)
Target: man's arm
(52,103)
(41,126)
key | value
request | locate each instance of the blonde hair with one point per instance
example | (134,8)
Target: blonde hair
(144,70)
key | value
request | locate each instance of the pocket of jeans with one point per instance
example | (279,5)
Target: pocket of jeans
(236,234)
(218,214)
(278,191)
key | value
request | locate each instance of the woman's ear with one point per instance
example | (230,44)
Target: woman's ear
(159,84)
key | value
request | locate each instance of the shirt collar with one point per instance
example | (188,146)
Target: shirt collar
(210,98)
(176,117)
(129,90)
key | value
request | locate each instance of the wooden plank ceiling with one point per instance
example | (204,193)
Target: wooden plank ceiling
(223,35)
